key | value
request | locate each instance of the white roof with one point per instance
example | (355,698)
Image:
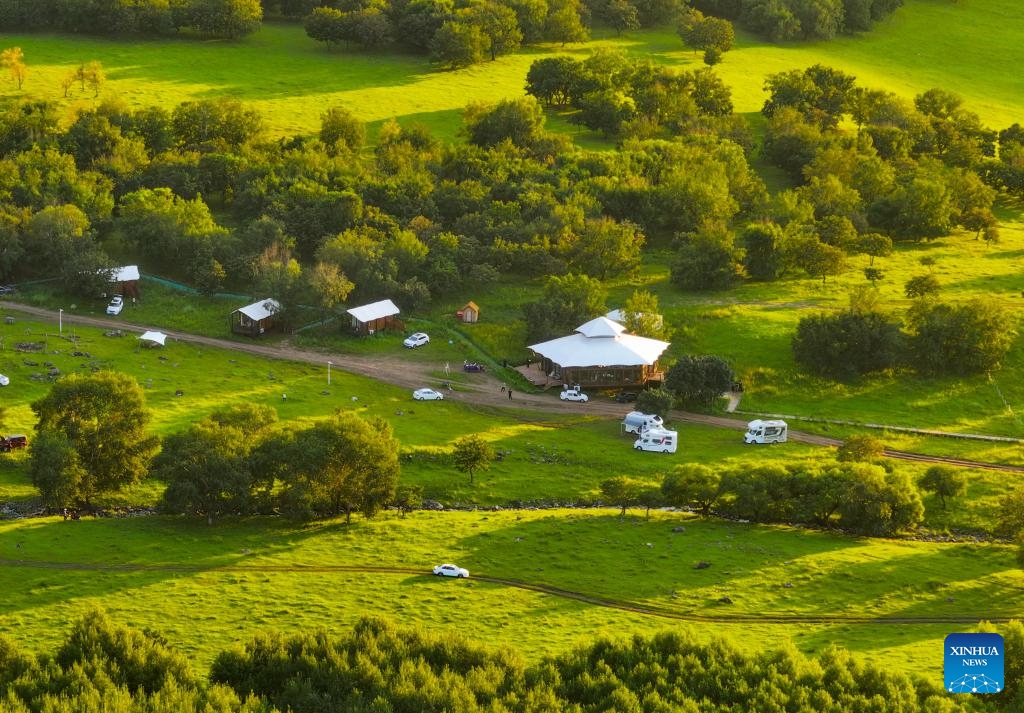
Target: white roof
(377,310)
(260,310)
(156,337)
(606,346)
(124,274)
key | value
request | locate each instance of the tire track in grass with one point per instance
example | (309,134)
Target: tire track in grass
(616,604)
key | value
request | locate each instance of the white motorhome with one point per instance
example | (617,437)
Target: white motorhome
(637,422)
(657,439)
(758,431)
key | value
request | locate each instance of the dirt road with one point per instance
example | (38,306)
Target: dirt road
(484,390)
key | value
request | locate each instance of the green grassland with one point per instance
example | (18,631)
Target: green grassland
(205,588)
(292,80)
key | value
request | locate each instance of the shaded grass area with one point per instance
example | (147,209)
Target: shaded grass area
(286,581)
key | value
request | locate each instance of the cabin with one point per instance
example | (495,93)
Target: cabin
(372,318)
(125,281)
(469,314)
(600,354)
(255,319)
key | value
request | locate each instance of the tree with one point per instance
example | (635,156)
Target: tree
(341,465)
(692,485)
(459,44)
(969,338)
(945,481)
(408,498)
(1010,523)
(563,24)
(325,24)
(708,33)
(501,27)
(878,503)
(860,448)
(552,79)
(231,19)
(567,302)
(472,454)
(818,259)
(643,316)
(657,401)
(762,243)
(624,492)
(621,15)
(846,345)
(207,123)
(520,121)
(102,419)
(922,286)
(874,245)
(699,380)
(603,248)
(13,60)
(91,74)
(706,261)
(340,129)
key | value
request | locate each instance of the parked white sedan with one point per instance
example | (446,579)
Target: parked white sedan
(4,381)
(574,395)
(416,340)
(116,305)
(451,570)
(427,395)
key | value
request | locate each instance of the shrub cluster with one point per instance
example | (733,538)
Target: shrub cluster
(379,667)
(781,20)
(216,18)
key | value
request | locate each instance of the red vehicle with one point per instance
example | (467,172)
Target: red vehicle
(10,443)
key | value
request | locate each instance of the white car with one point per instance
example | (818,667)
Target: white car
(450,570)
(416,340)
(427,395)
(574,395)
(4,381)
(116,305)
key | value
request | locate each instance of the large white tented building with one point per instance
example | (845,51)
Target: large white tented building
(600,354)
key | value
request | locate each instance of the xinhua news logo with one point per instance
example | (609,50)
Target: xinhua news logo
(974,663)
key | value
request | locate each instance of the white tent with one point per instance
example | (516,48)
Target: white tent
(152,338)
(601,342)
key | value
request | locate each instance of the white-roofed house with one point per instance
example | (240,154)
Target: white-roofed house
(600,354)
(371,318)
(125,280)
(255,319)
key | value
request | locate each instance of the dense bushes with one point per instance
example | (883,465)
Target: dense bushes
(217,18)
(380,667)
(781,20)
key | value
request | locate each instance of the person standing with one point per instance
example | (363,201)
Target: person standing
(510,393)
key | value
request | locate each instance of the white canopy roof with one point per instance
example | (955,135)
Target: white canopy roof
(377,310)
(124,274)
(598,344)
(154,337)
(260,310)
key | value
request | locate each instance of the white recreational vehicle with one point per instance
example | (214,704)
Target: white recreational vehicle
(759,431)
(637,422)
(657,439)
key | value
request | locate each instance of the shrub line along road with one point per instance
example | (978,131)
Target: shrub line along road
(483,391)
(621,605)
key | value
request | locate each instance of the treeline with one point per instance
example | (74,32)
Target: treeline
(781,20)
(376,666)
(92,440)
(214,18)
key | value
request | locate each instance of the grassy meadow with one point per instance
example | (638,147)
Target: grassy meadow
(206,588)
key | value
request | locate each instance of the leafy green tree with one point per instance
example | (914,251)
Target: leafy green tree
(341,465)
(472,454)
(874,245)
(603,248)
(860,448)
(922,286)
(705,33)
(692,485)
(564,24)
(341,129)
(969,338)
(643,316)
(762,243)
(458,43)
(231,19)
(520,121)
(945,481)
(624,492)
(103,418)
(325,24)
(13,60)
(215,122)
(846,345)
(1010,523)
(818,259)
(56,470)
(699,380)
(566,303)
(408,498)
(552,79)
(879,503)
(501,27)
(658,401)
(621,15)
(706,261)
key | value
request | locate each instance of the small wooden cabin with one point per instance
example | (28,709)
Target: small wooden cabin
(125,281)
(375,317)
(255,319)
(470,314)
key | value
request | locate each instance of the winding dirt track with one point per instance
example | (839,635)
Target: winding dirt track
(484,390)
(631,607)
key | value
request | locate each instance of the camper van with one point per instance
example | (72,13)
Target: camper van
(636,422)
(657,439)
(759,431)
